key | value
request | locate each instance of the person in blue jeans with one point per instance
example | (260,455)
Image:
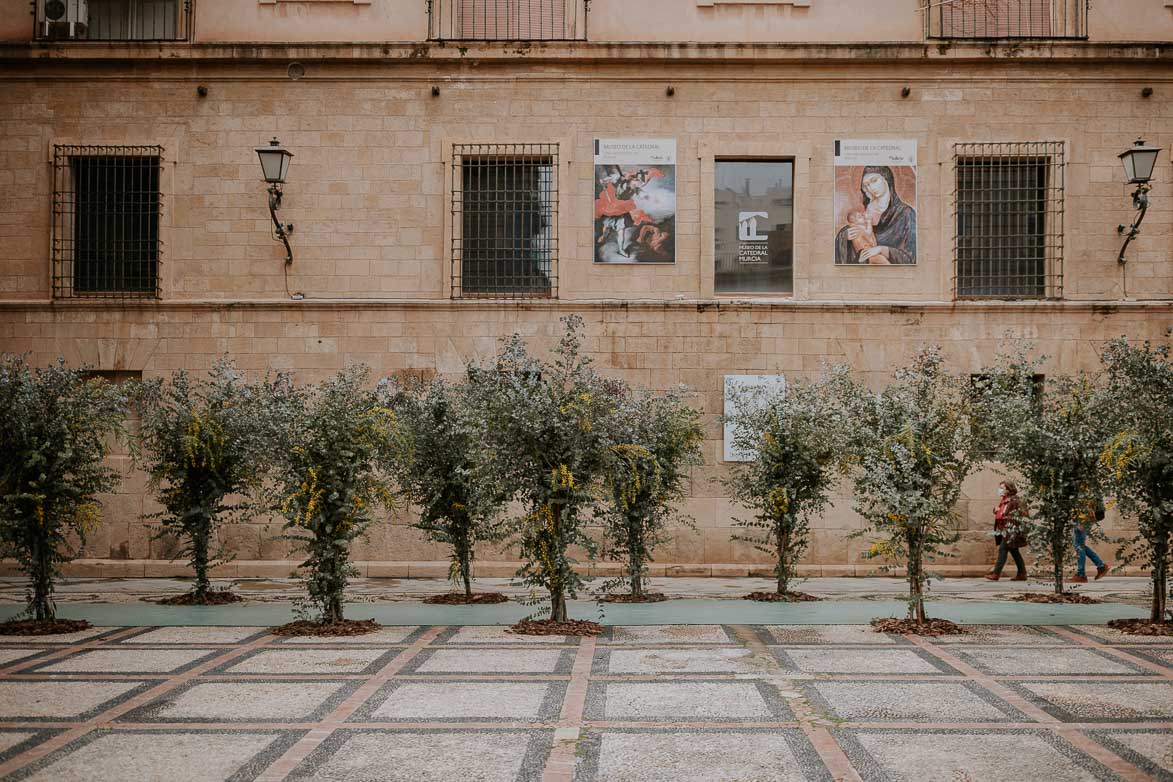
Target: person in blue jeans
(1083,552)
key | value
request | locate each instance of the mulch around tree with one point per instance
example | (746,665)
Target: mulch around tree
(646,597)
(43,626)
(461,599)
(785,597)
(550,627)
(346,627)
(1051,597)
(218,597)
(931,627)
(1141,627)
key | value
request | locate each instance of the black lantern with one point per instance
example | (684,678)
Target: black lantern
(275,165)
(1139,162)
(274,162)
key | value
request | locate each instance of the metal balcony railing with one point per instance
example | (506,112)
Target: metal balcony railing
(507,20)
(993,19)
(114,20)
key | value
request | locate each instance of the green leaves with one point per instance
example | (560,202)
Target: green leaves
(54,436)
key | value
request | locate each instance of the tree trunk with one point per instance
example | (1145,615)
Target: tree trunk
(1160,579)
(1058,539)
(200,542)
(916,595)
(554,577)
(783,547)
(635,564)
(42,605)
(464,561)
(558,605)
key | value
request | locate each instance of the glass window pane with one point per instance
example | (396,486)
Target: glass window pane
(754,228)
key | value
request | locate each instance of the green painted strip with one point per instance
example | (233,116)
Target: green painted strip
(689,612)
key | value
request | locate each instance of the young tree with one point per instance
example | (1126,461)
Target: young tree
(1052,435)
(54,434)
(1138,459)
(444,468)
(200,442)
(913,445)
(329,480)
(659,438)
(797,440)
(548,427)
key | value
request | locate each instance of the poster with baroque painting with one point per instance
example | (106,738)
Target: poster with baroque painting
(635,200)
(875,202)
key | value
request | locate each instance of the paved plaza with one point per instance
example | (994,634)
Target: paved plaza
(651,703)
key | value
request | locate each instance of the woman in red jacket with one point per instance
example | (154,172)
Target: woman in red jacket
(1008,533)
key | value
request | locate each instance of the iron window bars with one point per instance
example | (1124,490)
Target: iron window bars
(1008,212)
(507,20)
(504,213)
(115,20)
(105,231)
(992,19)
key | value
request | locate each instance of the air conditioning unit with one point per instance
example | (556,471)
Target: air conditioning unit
(63,18)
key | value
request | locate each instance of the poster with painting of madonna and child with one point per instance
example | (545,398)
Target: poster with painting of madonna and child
(875,202)
(635,200)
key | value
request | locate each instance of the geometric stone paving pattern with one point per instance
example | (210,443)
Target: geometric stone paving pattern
(637,704)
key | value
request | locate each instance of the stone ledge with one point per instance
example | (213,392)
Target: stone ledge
(516,53)
(150,568)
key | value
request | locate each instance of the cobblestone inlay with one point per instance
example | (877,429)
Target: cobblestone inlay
(190,755)
(1005,635)
(1087,701)
(392,635)
(698,755)
(433,755)
(1149,750)
(322,662)
(194,636)
(827,635)
(14,741)
(667,634)
(246,701)
(15,654)
(689,701)
(62,639)
(861,661)
(489,635)
(447,700)
(910,701)
(439,660)
(52,700)
(695,659)
(128,661)
(1107,635)
(1159,655)
(901,755)
(1008,661)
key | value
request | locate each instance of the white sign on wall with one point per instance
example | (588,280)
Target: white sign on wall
(742,389)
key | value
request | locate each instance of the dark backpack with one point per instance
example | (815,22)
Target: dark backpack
(1101,511)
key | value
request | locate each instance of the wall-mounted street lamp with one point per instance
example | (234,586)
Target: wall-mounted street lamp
(275,165)
(1139,162)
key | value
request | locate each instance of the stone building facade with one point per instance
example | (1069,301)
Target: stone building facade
(389,109)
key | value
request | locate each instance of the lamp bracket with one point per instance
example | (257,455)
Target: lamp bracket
(1140,202)
(280,231)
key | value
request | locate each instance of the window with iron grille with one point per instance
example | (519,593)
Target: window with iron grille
(114,20)
(504,213)
(507,20)
(988,19)
(106,210)
(1009,220)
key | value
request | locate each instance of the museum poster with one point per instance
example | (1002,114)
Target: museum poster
(635,200)
(875,202)
(741,391)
